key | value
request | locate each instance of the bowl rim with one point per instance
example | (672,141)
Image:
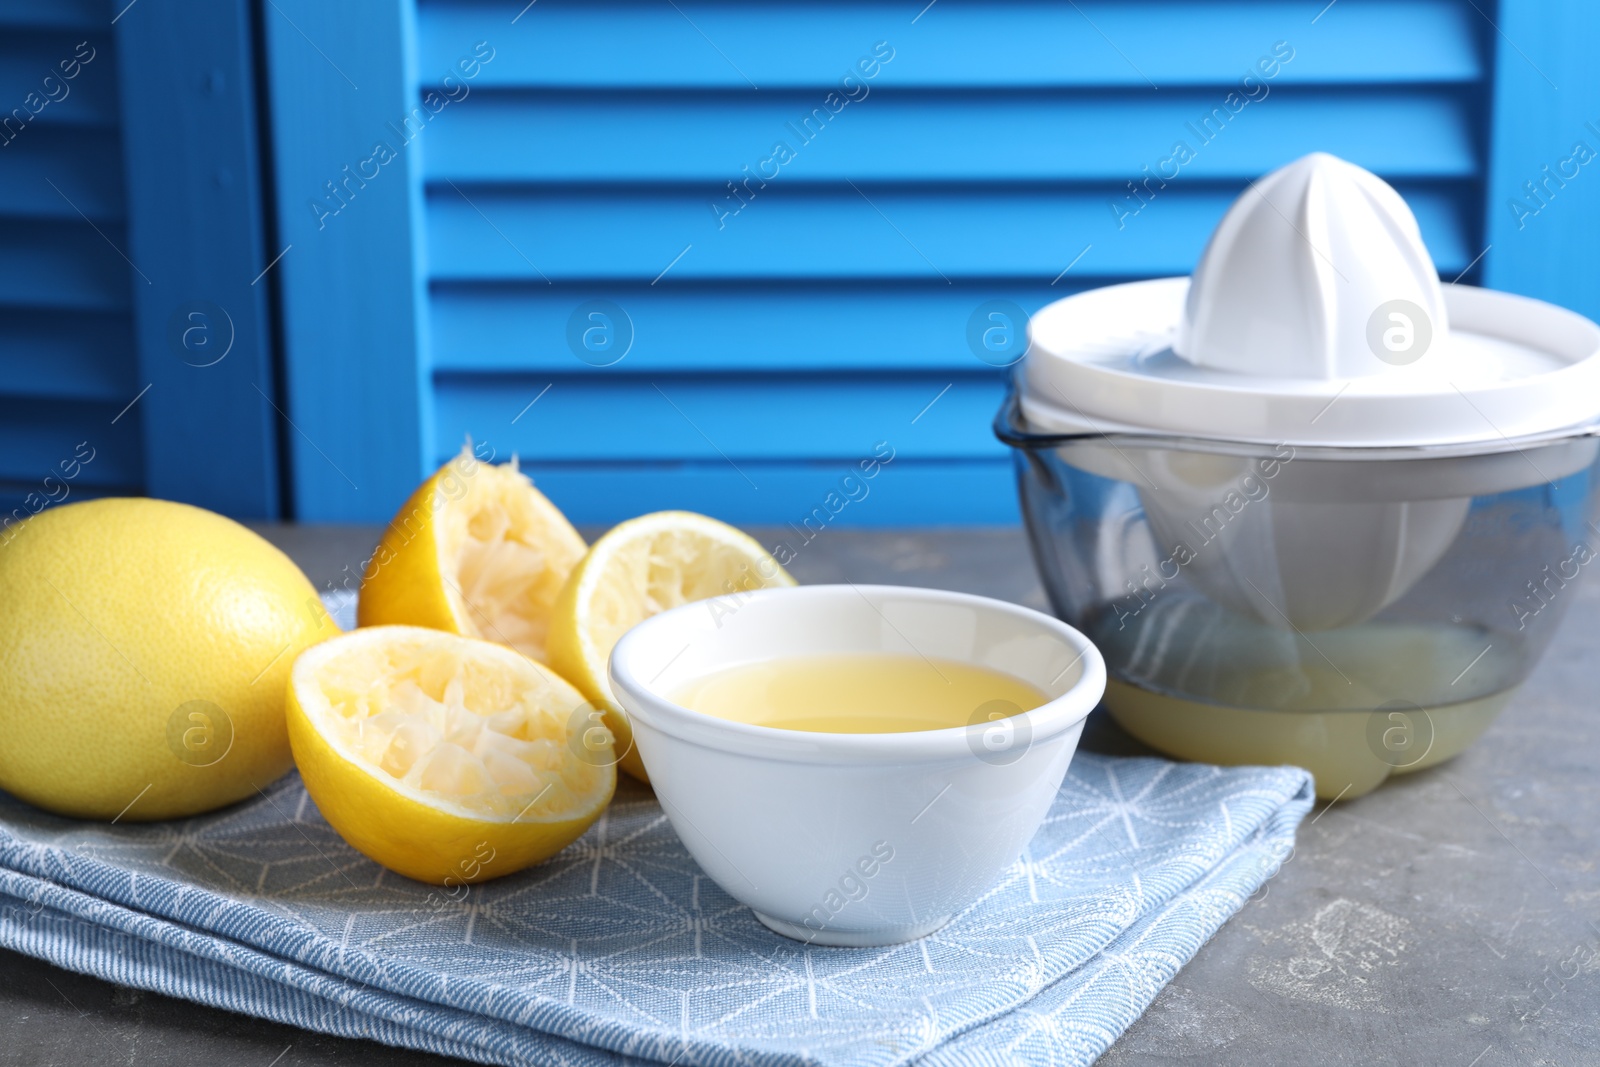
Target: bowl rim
(640,702)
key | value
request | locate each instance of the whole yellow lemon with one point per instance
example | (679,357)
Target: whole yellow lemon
(145,648)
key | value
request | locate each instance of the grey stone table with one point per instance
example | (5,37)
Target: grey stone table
(1451,918)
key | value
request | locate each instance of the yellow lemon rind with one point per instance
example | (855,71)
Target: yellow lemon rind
(402,583)
(121,612)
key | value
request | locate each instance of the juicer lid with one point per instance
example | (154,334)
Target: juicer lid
(1315,317)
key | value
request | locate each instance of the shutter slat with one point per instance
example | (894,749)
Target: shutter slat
(905,493)
(958,44)
(55,173)
(826,232)
(714,138)
(817,416)
(36,436)
(62,265)
(714,326)
(78,357)
(28,57)
(56,15)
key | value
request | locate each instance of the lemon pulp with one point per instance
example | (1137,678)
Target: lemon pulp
(511,552)
(476,551)
(419,746)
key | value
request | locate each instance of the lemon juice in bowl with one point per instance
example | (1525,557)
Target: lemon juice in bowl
(859,694)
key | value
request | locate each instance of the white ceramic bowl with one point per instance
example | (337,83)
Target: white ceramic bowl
(855,839)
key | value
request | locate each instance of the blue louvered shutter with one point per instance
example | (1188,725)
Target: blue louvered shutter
(134,352)
(796,277)
(67,361)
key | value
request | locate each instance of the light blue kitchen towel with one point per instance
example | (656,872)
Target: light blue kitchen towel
(620,950)
(620,947)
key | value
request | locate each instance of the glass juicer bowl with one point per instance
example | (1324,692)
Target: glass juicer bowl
(1359,612)
(1313,506)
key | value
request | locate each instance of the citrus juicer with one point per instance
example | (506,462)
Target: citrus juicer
(1313,506)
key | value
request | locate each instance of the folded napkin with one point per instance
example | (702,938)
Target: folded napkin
(620,949)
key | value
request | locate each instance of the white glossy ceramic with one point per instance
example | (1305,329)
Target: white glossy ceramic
(855,839)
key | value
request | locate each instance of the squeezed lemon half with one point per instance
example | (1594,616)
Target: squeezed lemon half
(639,568)
(476,551)
(447,759)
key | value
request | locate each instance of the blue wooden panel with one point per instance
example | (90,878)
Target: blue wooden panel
(1543,204)
(196,234)
(836,304)
(66,338)
(129,189)
(1173,43)
(353,335)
